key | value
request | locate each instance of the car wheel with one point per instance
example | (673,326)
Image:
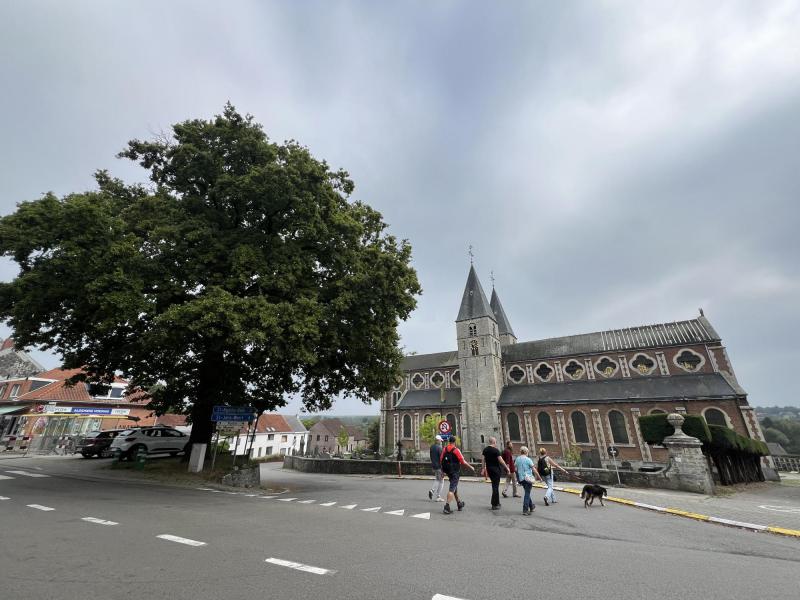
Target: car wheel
(135,450)
(84,455)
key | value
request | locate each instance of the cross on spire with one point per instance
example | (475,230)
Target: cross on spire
(471,255)
(491,276)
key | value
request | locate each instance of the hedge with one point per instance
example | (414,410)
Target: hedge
(715,438)
(656,427)
(727,440)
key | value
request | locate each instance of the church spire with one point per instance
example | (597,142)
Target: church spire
(474,303)
(507,335)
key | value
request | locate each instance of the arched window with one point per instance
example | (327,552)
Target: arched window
(407,426)
(579,427)
(474,346)
(395,398)
(426,418)
(473,330)
(618,430)
(451,419)
(657,411)
(545,427)
(714,416)
(513,427)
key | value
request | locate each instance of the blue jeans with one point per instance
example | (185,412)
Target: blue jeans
(527,501)
(550,494)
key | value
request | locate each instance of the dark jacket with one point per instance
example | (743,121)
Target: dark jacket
(436,457)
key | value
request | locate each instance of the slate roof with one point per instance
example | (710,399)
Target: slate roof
(503,325)
(693,331)
(414,362)
(431,399)
(705,385)
(474,303)
(295,423)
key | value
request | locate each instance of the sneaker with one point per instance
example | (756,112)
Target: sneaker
(430,495)
(447,509)
(461,505)
(440,499)
(525,513)
(517,496)
(496,508)
(505,495)
(546,503)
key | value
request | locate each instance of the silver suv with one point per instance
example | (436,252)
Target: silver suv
(153,440)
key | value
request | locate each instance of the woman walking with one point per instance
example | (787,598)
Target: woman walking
(545,466)
(525,475)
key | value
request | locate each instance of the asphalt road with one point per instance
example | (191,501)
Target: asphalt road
(221,543)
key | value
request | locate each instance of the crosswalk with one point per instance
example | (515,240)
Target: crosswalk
(396,512)
(20,473)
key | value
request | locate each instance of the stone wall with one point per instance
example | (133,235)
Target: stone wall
(345,466)
(246,478)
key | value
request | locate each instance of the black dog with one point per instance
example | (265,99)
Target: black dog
(592,491)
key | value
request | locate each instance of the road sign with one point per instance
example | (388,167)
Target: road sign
(444,427)
(229,427)
(612,450)
(221,408)
(232,417)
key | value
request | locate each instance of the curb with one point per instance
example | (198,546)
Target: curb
(689,515)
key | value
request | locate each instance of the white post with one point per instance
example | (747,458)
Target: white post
(197,458)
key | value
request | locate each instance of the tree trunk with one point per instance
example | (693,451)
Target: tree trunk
(209,382)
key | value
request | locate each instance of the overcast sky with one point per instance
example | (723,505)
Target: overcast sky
(614,163)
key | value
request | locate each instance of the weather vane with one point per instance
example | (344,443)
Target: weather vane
(471,255)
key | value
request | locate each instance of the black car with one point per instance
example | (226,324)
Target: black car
(96,443)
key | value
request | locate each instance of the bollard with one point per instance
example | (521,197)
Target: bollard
(141,457)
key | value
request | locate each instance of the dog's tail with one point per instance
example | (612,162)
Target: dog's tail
(605,492)
(583,494)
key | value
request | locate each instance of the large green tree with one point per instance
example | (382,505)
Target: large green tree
(242,273)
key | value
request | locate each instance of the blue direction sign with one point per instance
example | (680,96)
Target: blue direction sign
(232,413)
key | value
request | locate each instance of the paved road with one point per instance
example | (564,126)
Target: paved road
(614,552)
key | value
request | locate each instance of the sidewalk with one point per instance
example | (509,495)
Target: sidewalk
(765,506)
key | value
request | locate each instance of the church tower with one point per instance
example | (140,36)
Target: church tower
(506,333)
(479,363)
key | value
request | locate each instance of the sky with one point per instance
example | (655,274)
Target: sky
(613,163)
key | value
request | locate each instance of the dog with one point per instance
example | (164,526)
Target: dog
(592,491)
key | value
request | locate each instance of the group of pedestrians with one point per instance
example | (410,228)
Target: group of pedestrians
(521,471)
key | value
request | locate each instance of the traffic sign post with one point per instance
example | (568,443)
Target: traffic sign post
(444,429)
(612,450)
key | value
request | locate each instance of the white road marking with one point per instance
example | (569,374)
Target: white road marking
(5,477)
(786,509)
(98,521)
(441,597)
(267,497)
(300,566)
(349,506)
(650,506)
(373,509)
(306,501)
(737,523)
(399,513)
(286,499)
(4,498)
(27,474)
(422,516)
(180,540)
(206,489)
(250,495)
(327,503)
(40,507)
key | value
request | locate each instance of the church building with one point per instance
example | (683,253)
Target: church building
(566,394)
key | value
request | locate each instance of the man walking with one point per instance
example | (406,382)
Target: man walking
(436,465)
(451,460)
(511,478)
(545,466)
(491,463)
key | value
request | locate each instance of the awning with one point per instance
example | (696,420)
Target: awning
(12,410)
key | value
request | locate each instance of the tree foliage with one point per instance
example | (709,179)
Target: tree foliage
(243,272)
(373,435)
(342,438)
(783,431)
(428,430)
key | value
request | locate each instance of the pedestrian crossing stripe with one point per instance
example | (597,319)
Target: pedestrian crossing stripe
(349,506)
(306,501)
(399,513)
(373,509)
(422,516)
(327,503)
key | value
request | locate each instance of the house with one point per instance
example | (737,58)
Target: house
(324,436)
(40,409)
(275,434)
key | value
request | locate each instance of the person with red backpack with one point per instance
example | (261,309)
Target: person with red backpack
(452,459)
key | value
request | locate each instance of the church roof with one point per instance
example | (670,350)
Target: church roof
(413,362)
(503,325)
(431,399)
(706,385)
(693,331)
(474,303)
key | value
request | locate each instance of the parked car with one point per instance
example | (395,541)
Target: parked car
(153,440)
(97,443)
